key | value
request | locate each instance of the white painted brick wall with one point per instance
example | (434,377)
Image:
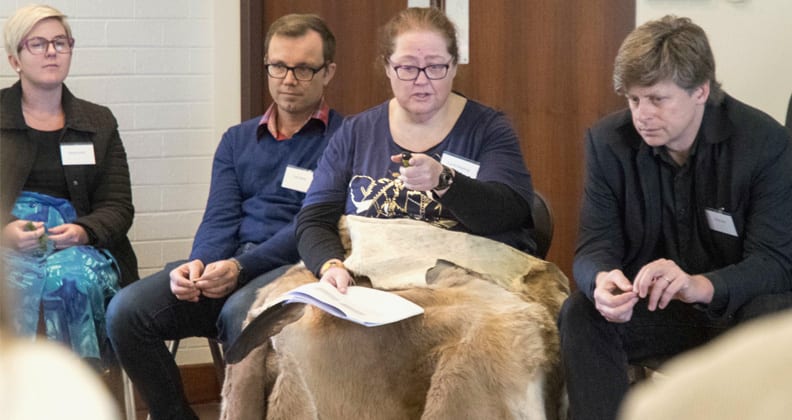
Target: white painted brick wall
(153,63)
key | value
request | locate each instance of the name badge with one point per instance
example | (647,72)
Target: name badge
(77,154)
(297,179)
(720,221)
(462,165)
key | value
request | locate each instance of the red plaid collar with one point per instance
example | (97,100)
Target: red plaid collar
(269,119)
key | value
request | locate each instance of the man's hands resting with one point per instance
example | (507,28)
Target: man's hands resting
(661,281)
(215,280)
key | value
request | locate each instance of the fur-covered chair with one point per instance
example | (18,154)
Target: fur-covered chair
(486,346)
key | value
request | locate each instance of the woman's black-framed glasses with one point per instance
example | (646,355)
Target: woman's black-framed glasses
(37,45)
(411,73)
(301,73)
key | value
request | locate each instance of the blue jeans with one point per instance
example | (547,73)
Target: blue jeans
(144,314)
(595,353)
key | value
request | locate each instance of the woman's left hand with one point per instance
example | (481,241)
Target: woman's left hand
(422,174)
(68,234)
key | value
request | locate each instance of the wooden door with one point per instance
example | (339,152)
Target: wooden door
(546,64)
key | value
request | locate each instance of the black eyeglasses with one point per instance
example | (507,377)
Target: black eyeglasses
(38,45)
(411,73)
(301,73)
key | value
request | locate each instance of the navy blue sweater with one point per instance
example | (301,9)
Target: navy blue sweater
(247,203)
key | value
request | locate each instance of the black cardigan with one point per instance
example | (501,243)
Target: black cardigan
(101,193)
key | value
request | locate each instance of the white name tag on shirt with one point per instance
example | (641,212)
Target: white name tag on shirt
(297,179)
(462,165)
(720,221)
(77,154)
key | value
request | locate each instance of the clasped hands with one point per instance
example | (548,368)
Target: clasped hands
(661,281)
(25,235)
(215,280)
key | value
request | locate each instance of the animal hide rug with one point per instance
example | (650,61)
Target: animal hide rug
(486,346)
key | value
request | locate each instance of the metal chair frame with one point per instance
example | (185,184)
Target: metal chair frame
(173,347)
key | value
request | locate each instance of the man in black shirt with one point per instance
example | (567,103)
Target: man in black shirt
(684,222)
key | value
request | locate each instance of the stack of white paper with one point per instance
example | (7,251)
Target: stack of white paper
(364,305)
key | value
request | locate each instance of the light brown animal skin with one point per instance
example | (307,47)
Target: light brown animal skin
(478,352)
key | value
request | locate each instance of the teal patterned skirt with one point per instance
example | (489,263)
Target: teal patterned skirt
(68,288)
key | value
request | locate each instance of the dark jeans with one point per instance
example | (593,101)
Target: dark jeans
(595,353)
(144,314)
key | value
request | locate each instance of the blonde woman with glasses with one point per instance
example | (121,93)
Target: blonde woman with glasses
(65,191)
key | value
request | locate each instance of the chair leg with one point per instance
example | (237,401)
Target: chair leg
(173,347)
(129,397)
(217,360)
(217,356)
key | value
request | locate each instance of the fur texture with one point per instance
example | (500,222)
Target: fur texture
(481,351)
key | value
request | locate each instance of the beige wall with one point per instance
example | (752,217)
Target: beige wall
(170,72)
(227,100)
(227,110)
(752,43)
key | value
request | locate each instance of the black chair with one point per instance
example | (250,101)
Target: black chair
(217,356)
(543,224)
(789,114)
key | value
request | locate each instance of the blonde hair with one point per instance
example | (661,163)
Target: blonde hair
(23,20)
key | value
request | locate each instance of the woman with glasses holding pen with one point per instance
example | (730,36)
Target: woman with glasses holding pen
(64,188)
(428,154)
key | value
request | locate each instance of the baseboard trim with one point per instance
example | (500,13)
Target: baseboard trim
(200,385)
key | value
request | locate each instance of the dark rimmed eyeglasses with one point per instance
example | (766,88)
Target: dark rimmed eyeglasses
(37,45)
(411,73)
(301,73)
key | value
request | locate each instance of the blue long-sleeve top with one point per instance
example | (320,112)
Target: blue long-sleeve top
(248,204)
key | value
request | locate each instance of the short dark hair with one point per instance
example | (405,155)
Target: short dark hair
(296,25)
(670,48)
